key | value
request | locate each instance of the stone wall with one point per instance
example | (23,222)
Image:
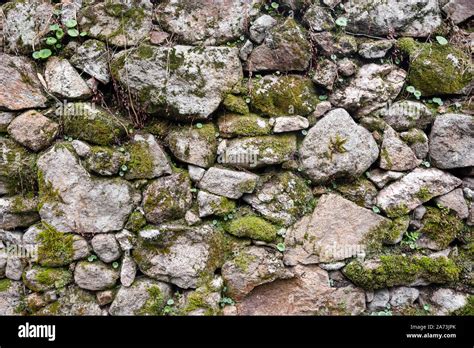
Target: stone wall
(236,157)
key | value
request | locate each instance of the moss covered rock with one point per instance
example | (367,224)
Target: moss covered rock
(42,278)
(17,169)
(92,123)
(437,69)
(234,125)
(283,95)
(393,270)
(252,227)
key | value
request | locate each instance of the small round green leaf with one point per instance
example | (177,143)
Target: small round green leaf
(341,21)
(54,27)
(51,40)
(281,247)
(83,33)
(71,23)
(45,53)
(73,32)
(36,55)
(198,125)
(275,5)
(417,94)
(59,34)
(411,89)
(441,40)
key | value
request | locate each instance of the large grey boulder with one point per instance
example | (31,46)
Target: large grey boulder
(372,87)
(396,154)
(181,257)
(33,130)
(64,81)
(182,82)
(281,197)
(414,189)
(167,198)
(145,297)
(206,22)
(251,267)
(307,293)
(452,141)
(228,183)
(417,18)
(120,23)
(25,23)
(95,275)
(92,58)
(406,114)
(285,48)
(337,229)
(337,147)
(21,88)
(72,201)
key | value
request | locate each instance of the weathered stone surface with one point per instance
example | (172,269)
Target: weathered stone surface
(228,183)
(414,189)
(145,297)
(75,301)
(337,147)
(371,88)
(325,74)
(128,270)
(21,88)
(182,82)
(100,160)
(206,22)
(417,18)
(395,154)
(64,81)
(91,123)
(24,24)
(361,191)
(259,28)
(308,293)
(10,296)
(418,142)
(18,211)
(455,201)
(380,300)
(95,275)
(290,123)
(403,296)
(318,18)
(211,204)
(381,177)
(120,23)
(106,247)
(183,257)
(283,95)
(406,114)
(337,230)
(33,130)
(91,57)
(70,200)
(261,151)
(15,267)
(285,48)
(459,10)
(5,119)
(147,159)
(281,197)
(194,145)
(448,300)
(251,267)
(452,141)
(167,198)
(330,44)
(375,49)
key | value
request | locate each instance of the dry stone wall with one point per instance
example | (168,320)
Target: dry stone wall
(236,157)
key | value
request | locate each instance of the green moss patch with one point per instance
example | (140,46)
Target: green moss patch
(441,226)
(252,227)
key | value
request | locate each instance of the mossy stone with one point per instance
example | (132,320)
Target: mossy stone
(252,227)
